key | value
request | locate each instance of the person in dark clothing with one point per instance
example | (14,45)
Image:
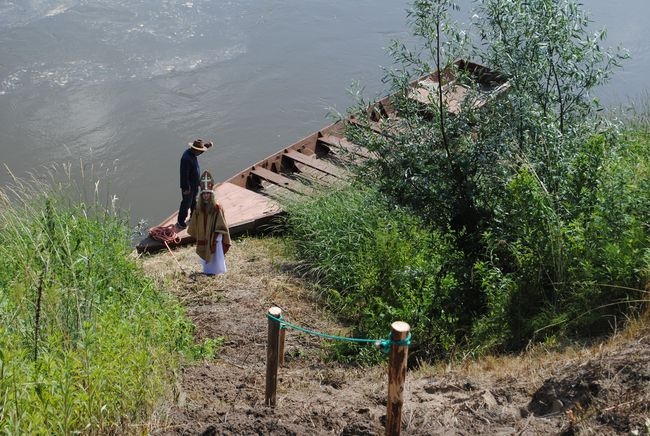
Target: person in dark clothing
(190,172)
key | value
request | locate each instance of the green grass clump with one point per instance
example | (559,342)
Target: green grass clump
(377,264)
(571,263)
(87,343)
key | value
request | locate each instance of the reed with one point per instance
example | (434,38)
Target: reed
(87,342)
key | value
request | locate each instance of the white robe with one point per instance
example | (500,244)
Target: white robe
(217,264)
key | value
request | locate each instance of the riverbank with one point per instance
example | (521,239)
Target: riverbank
(87,343)
(601,387)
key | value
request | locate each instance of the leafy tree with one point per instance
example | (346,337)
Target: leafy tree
(553,61)
(518,179)
(425,161)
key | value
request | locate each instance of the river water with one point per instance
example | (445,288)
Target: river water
(125,84)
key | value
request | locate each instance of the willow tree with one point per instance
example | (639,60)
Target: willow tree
(449,167)
(503,177)
(423,159)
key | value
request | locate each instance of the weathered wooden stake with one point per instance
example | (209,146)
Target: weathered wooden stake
(272,345)
(281,345)
(396,376)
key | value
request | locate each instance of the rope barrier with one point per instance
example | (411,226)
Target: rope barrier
(383,344)
(397,362)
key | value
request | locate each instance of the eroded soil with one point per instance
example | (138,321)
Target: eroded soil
(601,389)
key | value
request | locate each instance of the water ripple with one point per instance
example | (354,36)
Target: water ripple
(89,42)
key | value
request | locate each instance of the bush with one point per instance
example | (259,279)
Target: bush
(537,206)
(573,261)
(377,264)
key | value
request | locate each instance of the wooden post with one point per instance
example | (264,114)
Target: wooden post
(272,356)
(396,376)
(281,345)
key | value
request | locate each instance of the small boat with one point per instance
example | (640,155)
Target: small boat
(251,198)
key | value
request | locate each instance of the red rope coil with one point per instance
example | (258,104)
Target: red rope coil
(165,234)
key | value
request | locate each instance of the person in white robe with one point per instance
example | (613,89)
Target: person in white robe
(208,226)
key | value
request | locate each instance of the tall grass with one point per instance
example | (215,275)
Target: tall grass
(377,264)
(87,343)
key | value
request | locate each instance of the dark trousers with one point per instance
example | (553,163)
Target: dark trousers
(188,202)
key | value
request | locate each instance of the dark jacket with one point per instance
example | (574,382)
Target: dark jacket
(190,171)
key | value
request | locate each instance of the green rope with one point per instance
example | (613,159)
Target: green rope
(383,344)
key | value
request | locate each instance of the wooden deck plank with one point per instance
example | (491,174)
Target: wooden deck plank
(280,180)
(453,95)
(314,179)
(241,205)
(318,164)
(243,210)
(342,142)
(373,125)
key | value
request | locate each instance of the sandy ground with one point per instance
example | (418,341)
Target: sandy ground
(600,389)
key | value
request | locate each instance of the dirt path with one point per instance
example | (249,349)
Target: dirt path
(604,389)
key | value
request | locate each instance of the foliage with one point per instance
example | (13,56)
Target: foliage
(572,265)
(553,62)
(539,205)
(424,159)
(87,343)
(377,264)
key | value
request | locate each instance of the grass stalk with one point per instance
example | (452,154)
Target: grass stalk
(37,316)
(79,321)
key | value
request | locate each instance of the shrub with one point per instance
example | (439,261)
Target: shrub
(377,264)
(573,261)
(541,204)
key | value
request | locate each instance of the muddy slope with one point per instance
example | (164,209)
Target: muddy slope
(603,389)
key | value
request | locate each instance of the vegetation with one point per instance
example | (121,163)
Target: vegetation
(361,251)
(87,344)
(521,219)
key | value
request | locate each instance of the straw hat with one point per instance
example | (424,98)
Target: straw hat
(200,145)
